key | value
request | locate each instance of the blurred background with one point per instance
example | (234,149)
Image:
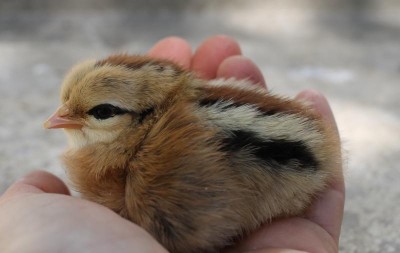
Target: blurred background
(349,50)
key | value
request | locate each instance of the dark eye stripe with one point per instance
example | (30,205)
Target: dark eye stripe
(105,111)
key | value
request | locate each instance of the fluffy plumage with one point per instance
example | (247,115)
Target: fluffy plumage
(196,163)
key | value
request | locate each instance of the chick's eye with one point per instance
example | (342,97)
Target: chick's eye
(105,111)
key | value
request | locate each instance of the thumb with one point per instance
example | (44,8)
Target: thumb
(37,182)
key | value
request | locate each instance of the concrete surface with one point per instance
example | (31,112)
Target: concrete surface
(349,50)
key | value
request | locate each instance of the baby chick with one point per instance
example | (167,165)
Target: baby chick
(196,163)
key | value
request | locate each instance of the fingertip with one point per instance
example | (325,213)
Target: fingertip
(241,67)
(222,38)
(309,94)
(319,103)
(174,49)
(210,54)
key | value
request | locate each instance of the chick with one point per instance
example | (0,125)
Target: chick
(196,163)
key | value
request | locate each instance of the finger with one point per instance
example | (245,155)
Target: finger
(327,210)
(302,234)
(173,48)
(320,103)
(211,53)
(240,67)
(37,182)
(275,250)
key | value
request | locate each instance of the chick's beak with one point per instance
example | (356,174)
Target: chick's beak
(60,119)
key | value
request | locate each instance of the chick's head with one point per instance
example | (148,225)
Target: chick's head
(102,98)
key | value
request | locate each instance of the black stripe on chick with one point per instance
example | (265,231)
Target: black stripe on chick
(273,152)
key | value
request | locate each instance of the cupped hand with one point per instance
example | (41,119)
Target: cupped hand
(319,230)
(37,214)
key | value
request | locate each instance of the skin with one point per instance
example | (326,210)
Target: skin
(39,206)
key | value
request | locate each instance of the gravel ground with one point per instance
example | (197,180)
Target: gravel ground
(349,50)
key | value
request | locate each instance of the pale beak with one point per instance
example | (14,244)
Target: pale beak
(60,119)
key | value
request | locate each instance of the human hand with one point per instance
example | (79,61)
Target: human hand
(319,229)
(37,214)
